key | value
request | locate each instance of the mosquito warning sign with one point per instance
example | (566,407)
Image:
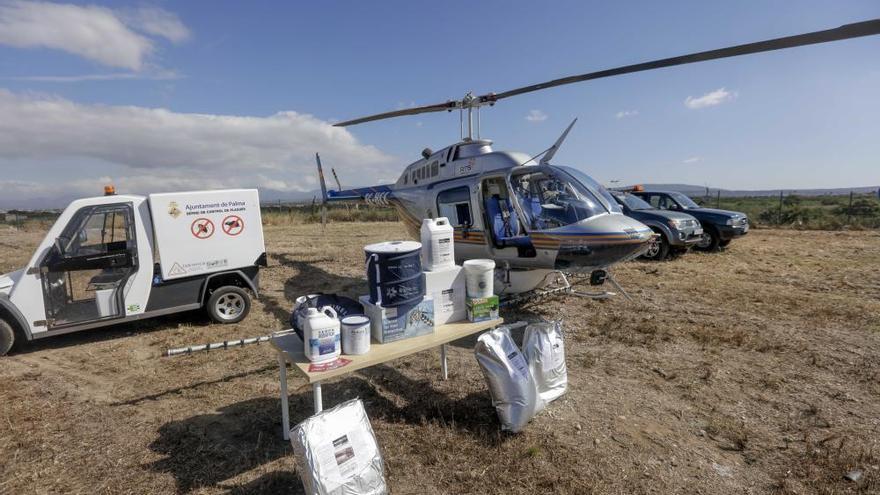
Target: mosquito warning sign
(233,225)
(202,228)
(205,232)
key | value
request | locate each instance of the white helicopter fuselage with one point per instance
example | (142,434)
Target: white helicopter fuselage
(493,202)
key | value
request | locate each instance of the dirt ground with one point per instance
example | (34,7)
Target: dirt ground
(753,370)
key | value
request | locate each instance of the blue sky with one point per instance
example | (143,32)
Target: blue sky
(176,95)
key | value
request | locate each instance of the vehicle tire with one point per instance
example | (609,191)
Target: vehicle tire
(724,243)
(7,337)
(228,304)
(709,241)
(658,250)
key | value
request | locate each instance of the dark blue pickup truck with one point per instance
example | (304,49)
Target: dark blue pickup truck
(719,226)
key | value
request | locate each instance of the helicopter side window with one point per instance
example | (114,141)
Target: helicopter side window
(455,204)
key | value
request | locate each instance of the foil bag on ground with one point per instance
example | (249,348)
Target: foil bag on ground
(513,390)
(545,352)
(337,453)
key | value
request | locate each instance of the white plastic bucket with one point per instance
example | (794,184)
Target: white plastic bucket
(106,302)
(355,335)
(479,277)
(438,251)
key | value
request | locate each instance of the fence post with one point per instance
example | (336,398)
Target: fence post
(779,215)
(849,210)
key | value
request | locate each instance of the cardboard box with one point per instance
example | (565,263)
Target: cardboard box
(482,308)
(447,287)
(401,322)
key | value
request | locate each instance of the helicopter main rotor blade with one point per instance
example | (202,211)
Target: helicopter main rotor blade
(439,107)
(847,31)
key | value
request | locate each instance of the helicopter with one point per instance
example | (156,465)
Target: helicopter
(531,217)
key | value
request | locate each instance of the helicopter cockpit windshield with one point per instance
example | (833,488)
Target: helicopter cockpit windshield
(551,197)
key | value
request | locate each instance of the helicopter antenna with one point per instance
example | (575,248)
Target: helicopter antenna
(553,149)
(470,102)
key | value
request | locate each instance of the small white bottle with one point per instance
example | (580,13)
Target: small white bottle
(438,251)
(321,335)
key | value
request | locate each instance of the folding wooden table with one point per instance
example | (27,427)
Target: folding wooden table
(290,350)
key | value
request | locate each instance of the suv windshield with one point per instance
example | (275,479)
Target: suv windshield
(633,202)
(551,199)
(684,201)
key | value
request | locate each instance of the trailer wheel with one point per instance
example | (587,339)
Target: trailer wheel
(7,337)
(228,304)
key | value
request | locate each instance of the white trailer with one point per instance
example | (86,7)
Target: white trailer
(118,258)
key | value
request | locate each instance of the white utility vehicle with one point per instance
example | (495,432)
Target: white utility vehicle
(118,258)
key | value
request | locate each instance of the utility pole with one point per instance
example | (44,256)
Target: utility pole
(718,200)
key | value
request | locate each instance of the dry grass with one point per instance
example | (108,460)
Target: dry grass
(754,370)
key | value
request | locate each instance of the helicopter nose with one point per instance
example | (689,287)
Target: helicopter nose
(601,242)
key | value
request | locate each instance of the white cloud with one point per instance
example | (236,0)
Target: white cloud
(693,159)
(156,75)
(92,32)
(710,99)
(536,116)
(626,113)
(154,146)
(159,22)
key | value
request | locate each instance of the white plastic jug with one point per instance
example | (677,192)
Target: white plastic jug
(438,251)
(479,277)
(321,335)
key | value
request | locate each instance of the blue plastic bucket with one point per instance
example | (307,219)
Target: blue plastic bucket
(394,272)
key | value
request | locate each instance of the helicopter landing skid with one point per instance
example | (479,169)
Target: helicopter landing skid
(564,286)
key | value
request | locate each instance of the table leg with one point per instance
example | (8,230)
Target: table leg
(443,366)
(319,401)
(285,410)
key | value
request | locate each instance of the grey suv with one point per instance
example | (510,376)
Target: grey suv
(677,232)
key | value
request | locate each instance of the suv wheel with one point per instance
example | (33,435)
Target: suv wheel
(228,304)
(659,248)
(709,241)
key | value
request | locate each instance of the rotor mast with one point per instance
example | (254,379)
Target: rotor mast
(470,103)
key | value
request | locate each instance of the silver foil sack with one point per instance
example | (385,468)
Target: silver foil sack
(545,351)
(337,453)
(510,382)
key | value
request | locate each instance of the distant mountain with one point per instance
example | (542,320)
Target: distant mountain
(692,190)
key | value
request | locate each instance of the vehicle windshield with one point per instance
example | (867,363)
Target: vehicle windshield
(633,202)
(551,199)
(684,201)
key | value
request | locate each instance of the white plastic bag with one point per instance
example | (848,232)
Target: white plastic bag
(511,386)
(336,452)
(545,351)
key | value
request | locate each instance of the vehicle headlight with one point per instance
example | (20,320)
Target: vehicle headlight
(730,221)
(677,223)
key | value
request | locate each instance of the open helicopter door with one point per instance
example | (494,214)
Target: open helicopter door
(507,232)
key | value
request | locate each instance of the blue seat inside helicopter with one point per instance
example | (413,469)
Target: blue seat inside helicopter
(505,223)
